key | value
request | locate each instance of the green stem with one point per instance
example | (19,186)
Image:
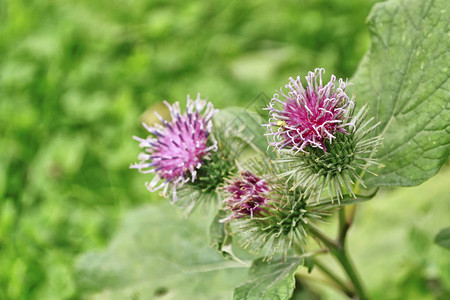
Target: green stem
(340,284)
(346,263)
(337,249)
(316,232)
(344,225)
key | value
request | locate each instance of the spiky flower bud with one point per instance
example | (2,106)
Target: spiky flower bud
(177,149)
(318,122)
(338,170)
(266,215)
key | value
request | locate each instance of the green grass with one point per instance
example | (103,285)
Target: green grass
(76,78)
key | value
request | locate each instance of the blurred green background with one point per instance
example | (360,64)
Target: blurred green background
(76,78)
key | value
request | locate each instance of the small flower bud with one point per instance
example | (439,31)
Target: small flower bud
(266,215)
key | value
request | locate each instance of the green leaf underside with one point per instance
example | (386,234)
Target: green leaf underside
(269,280)
(405,79)
(443,238)
(218,234)
(250,123)
(158,253)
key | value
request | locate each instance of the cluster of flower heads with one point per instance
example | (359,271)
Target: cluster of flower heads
(308,117)
(177,148)
(321,143)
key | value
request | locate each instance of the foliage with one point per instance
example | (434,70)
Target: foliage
(385,237)
(405,79)
(75,77)
(159,253)
(443,238)
(392,242)
(273,280)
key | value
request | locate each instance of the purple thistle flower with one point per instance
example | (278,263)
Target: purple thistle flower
(308,116)
(247,195)
(177,148)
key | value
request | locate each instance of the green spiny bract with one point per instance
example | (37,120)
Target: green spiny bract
(213,173)
(280,227)
(337,170)
(279,223)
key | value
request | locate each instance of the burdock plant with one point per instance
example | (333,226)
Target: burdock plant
(271,207)
(331,144)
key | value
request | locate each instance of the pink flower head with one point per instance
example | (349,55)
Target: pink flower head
(247,195)
(177,148)
(308,116)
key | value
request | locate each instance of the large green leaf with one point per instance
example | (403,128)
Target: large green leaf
(159,253)
(269,280)
(405,79)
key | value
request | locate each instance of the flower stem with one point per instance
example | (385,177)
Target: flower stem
(337,249)
(340,284)
(349,269)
